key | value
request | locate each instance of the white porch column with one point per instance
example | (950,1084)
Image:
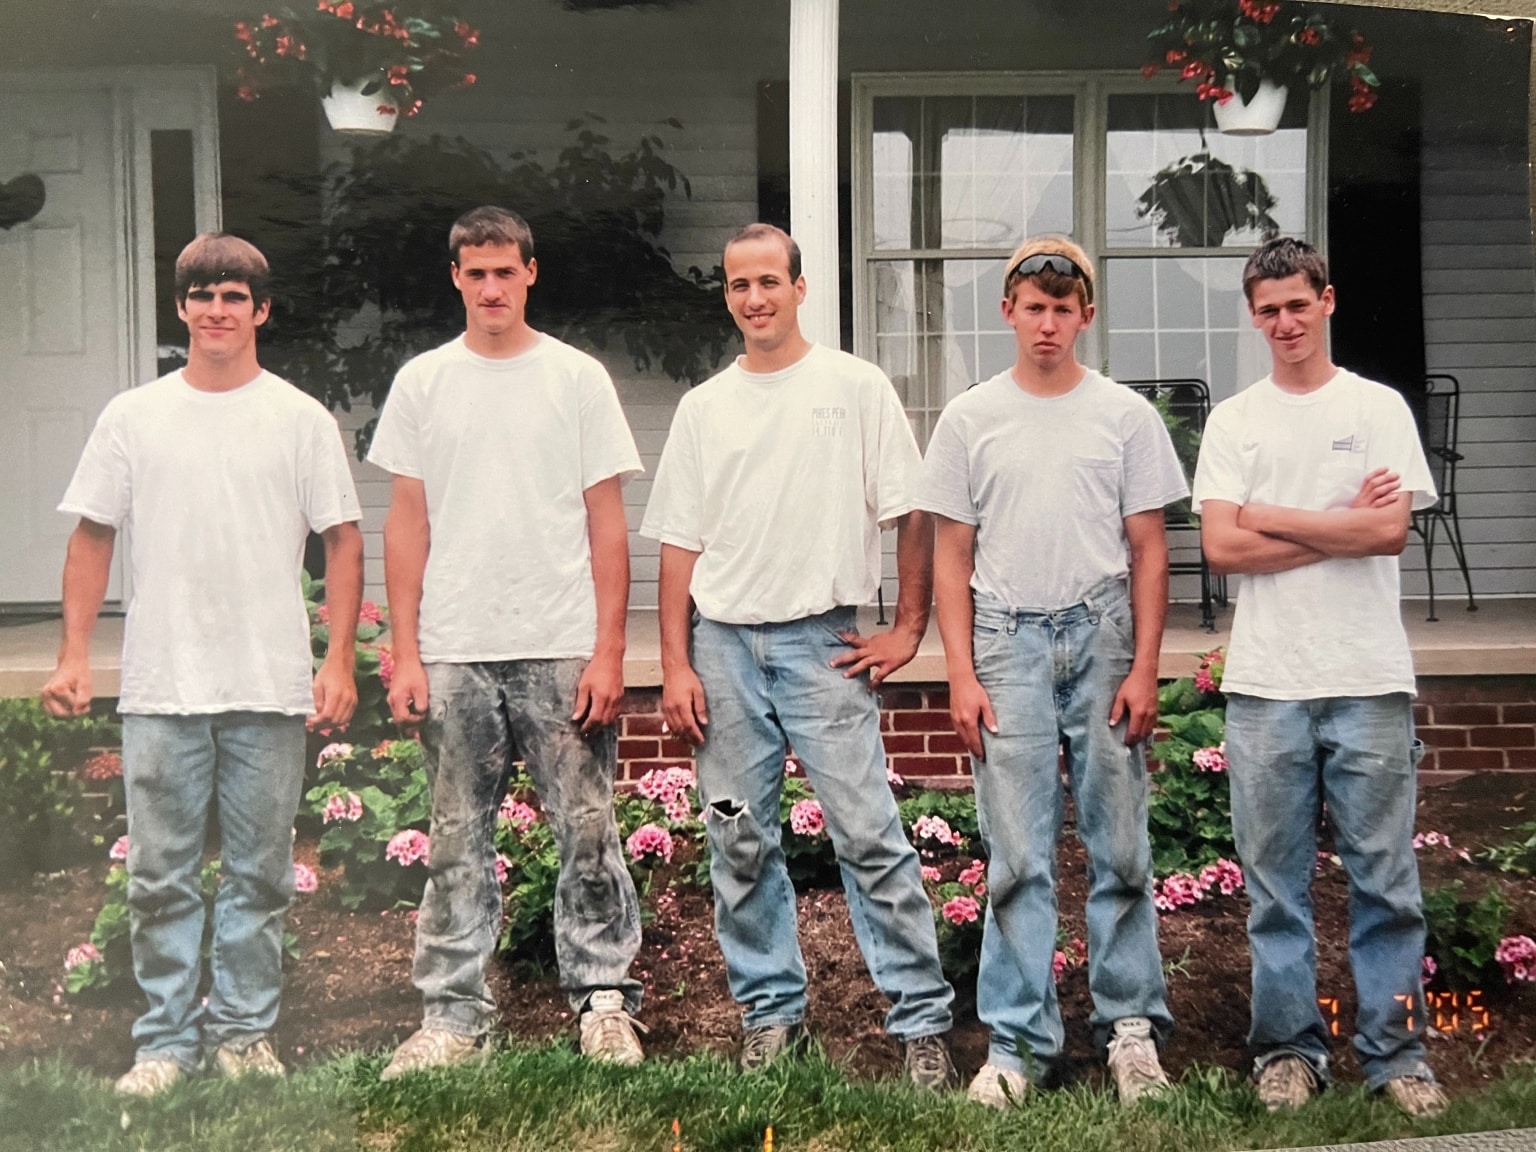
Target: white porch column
(813,160)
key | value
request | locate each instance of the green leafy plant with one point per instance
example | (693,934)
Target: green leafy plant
(1230,46)
(375,806)
(38,794)
(1189,807)
(1463,934)
(955,808)
(1516,856)
(368,286)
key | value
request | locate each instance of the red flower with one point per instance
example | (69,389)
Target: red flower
(1148,71)
(1175,55)
(1196,68)
(1309,37)
(344,11)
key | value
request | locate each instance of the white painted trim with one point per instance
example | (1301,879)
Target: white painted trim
(813,37)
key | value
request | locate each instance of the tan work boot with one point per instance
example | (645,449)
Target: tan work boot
(608,1032)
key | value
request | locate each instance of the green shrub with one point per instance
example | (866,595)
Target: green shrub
(1517,856)
(371,801)
(37,754)
(1463,934)
(1189,805)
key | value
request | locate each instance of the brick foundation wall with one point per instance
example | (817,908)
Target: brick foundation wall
(1476,724)
(1469,723)
(920,743)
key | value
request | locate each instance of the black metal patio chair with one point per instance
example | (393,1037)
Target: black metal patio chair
(1188,399)
(1439,432)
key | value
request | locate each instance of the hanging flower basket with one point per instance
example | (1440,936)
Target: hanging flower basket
(1233,49)
(1257,116)
(362,107)
(397,55)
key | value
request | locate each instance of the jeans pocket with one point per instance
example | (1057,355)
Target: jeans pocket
(985,636)
(1416,752)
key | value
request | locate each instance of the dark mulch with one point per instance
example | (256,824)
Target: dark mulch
(351,989)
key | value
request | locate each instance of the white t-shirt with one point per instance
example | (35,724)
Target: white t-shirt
(506,449)
(1048,483)
(783,481)
(1333,628)
(219,491)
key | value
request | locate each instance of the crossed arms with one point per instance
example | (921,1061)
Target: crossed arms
(1260,538)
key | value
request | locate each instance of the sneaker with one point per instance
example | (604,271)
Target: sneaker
(1286,1083)
(150,1077)
(256,1058)
(1419,1096)
(928,1062)
(760,1047)
(433,1048)
(608,1032)
(1001,1088)
(1133,1060)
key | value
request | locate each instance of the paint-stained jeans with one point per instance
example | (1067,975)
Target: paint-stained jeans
(1052,677)
(249,768)
(1357,755)
(769,687)
(481,718)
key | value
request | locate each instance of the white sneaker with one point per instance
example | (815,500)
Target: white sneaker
(433,1048)
(608,1032)
(998,1087)
(150,1077)
(1133,1060)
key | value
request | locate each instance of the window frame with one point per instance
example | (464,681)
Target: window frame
(1090,92)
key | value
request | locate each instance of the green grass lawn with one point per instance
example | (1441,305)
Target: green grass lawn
(549,1099)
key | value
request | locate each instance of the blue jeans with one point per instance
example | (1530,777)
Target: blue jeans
(769,687)
(481,718)
(1052,677)
(249,767)
(1357,755)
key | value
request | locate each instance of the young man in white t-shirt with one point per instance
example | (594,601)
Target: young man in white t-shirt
(777,477)
(218,473)
(506,559)
(1051,581)
(1304,489)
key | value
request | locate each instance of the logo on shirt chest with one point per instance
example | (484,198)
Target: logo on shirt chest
(828,422)
(1349,443)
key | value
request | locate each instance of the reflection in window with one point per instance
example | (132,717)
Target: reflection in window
(938,330)
(1171,183)
(175,217)
(970,171)
(1182,316)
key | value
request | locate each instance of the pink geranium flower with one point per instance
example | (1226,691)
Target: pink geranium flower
(386,665)
(649,840)
(369,613)
(1177,890)
(1517,956)
(503,868)
(304,878)
(518,814)
(331,752)
(1059,965)
(961,910)
(806,819)
(119,849)
(893,777)
(1212,759)
(1224,874)
(1430,968)
(931,874)
(973,874)
(936,828)
(348,808)
(80,954)
(407,847)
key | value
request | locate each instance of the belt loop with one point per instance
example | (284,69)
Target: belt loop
(1093,609)
(1013,621)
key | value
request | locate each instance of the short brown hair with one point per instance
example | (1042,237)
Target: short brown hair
(490,225)
(769,232)
(1048,280)
(1282,258)
(218,258)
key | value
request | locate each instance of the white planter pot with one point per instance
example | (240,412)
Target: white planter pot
(348,110)
(1259,117)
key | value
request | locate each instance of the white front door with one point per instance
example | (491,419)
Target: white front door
(64,322)
(77,281)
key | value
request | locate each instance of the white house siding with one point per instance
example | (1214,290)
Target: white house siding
(1480,324)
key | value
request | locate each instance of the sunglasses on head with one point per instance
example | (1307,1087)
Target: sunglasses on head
(1061,265)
